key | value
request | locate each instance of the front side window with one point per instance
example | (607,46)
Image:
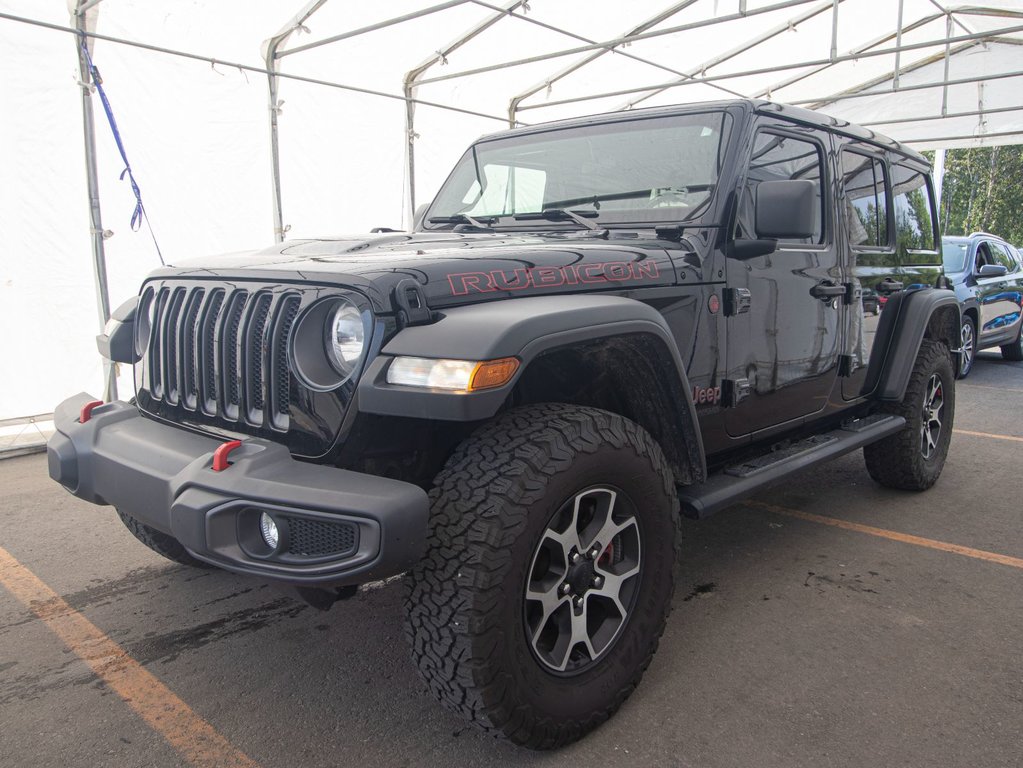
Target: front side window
(662,169)
(778,157)
(1002,256)
(914,230)
(866,211)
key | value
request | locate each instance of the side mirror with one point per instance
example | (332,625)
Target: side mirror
(786,208)
(742,249)
(417,218)
(993,270)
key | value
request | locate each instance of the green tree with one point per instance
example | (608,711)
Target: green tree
(983,191)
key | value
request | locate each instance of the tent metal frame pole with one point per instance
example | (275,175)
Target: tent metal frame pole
(548,82)
(270,56)
(409,84)
(777,86)
(834,29)
(615,42)
(564,72)
(863,86)
(763,37)
(948,58)
(898,47)
(1018,135)
(99,259)
(373,27)
(243,67)
(988,36)
(917,87)
(951,116)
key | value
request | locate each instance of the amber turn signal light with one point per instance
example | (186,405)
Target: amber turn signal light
(493,373)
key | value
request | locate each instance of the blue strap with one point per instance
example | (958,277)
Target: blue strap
(140,212)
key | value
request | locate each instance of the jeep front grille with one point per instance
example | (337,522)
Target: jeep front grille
(222,352)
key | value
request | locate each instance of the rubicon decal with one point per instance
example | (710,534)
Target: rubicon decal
(464,283)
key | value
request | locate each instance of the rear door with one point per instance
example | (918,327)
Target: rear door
(869,254)
(783,342)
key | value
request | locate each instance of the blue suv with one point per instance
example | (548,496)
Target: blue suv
(987,275)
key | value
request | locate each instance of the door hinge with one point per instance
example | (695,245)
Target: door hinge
(737,301)
(734,391)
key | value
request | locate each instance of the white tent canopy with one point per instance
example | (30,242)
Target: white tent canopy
(372,103)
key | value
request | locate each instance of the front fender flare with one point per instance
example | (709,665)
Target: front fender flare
(523,328)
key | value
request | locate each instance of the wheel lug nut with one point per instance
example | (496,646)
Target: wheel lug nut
(574,558)
(594,552)
(598,581)
(577,601)
(566,588)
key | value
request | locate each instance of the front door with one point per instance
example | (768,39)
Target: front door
(784,348)
(1000,298)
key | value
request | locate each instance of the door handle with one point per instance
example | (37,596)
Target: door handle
(889,286)
(827,290)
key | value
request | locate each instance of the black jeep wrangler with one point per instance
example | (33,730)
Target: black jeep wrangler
(598,325)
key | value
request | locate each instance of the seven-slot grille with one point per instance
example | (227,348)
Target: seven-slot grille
(222,352)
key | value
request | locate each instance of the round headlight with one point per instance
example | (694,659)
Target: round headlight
(346,337)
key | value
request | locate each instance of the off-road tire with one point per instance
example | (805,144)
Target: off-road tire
(897,461)
(969,354)
(159,542)
(465,601)
(1014,352)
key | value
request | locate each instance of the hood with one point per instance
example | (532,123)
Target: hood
(455,268)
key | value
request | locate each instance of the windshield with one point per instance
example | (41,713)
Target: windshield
(953,255)
(660,169)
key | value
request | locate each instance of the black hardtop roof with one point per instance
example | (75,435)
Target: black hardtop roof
(795,114)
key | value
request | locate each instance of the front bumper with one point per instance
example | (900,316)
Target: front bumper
(353,527)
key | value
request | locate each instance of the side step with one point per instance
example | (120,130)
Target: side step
(741,480)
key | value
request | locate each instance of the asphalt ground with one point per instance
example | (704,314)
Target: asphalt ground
(793,642)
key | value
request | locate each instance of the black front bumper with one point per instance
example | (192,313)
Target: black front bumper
(163,476)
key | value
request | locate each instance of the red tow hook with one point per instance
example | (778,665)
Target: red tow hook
(86,412)
(220,455)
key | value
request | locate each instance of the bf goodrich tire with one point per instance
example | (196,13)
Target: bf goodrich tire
(549,572)
(159,542)
(912,459)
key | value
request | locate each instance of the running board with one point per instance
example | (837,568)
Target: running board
(741,480)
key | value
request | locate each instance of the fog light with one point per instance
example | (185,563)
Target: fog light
(268,528)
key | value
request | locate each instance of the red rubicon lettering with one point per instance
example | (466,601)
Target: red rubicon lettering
(464,283)
(471,282)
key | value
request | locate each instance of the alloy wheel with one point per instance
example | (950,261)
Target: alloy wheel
(930,425)
(968,344)
(583,580)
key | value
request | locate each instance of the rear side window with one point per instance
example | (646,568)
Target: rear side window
(778,158)
(914,230)
(865,206)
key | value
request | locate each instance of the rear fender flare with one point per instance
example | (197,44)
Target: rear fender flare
(931,314)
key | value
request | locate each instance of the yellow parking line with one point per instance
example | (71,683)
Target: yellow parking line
(987,434)
(905,538)
(165,713)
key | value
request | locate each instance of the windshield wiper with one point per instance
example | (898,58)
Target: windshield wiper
(461,218)
(560,214)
